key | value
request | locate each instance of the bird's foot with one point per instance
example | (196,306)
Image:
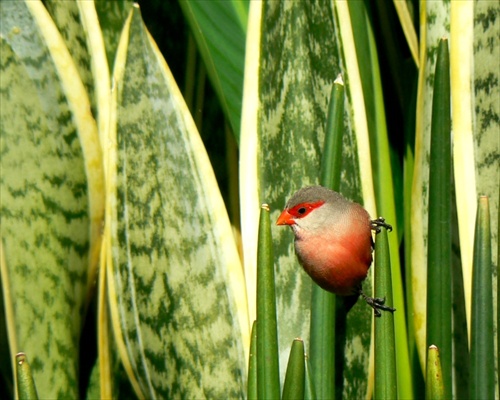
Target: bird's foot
(377,303)
(377,223)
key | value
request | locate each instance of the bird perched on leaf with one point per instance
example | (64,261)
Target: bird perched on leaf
(333,241)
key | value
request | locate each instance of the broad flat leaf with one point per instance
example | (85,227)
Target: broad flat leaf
(50,217)
(292,61)
(176,285)
(219,27)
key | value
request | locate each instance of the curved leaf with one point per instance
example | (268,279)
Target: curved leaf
(293,57)
(176,285)
(219,28)
(51,219)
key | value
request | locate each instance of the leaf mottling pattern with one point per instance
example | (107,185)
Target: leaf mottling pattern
(171,254)
(486,86)
(45,226)
(300,58)
(67,18)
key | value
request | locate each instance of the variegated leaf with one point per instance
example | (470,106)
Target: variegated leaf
(50,216)
(289,74)
(176,285)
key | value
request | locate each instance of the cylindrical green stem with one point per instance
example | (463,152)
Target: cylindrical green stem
(439,228)
(268,382)
(25,384)
(386,386)
(293,387)
(434,381)
(252,365)
(482,356)
(322,337)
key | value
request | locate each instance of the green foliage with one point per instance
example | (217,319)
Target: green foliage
(121,272)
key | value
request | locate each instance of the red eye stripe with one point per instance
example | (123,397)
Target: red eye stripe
(302,209)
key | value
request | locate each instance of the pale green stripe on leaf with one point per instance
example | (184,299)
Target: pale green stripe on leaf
(80,31)
(99,67)
(67,18)
(112,16)
(179,291)
(406,20)
(45,199)
(249,180)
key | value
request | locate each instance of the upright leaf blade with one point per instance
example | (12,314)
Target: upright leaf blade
(268,376)
(294,386)
(434,22)
(51,217)
(322,339)
(434,388)
(439,247)
(25,384)
(386,382)
(177,292)
(482,352)
(294,62)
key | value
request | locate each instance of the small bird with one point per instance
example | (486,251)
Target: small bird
(333,241)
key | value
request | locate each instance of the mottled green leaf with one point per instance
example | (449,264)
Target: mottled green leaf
(293,57)
(486,108)
(176,284)
(66,16)
(50,217)
(112,16)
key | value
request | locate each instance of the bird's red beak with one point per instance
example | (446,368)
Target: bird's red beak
(285,218)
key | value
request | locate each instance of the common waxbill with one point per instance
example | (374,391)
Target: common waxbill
(333,241)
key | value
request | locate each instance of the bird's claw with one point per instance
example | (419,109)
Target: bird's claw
(377,223)
(377,303)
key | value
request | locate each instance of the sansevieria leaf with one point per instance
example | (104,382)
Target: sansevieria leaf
(177,295)
(51,217)
(292,59)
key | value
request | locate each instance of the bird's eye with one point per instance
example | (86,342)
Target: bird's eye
(301,210)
